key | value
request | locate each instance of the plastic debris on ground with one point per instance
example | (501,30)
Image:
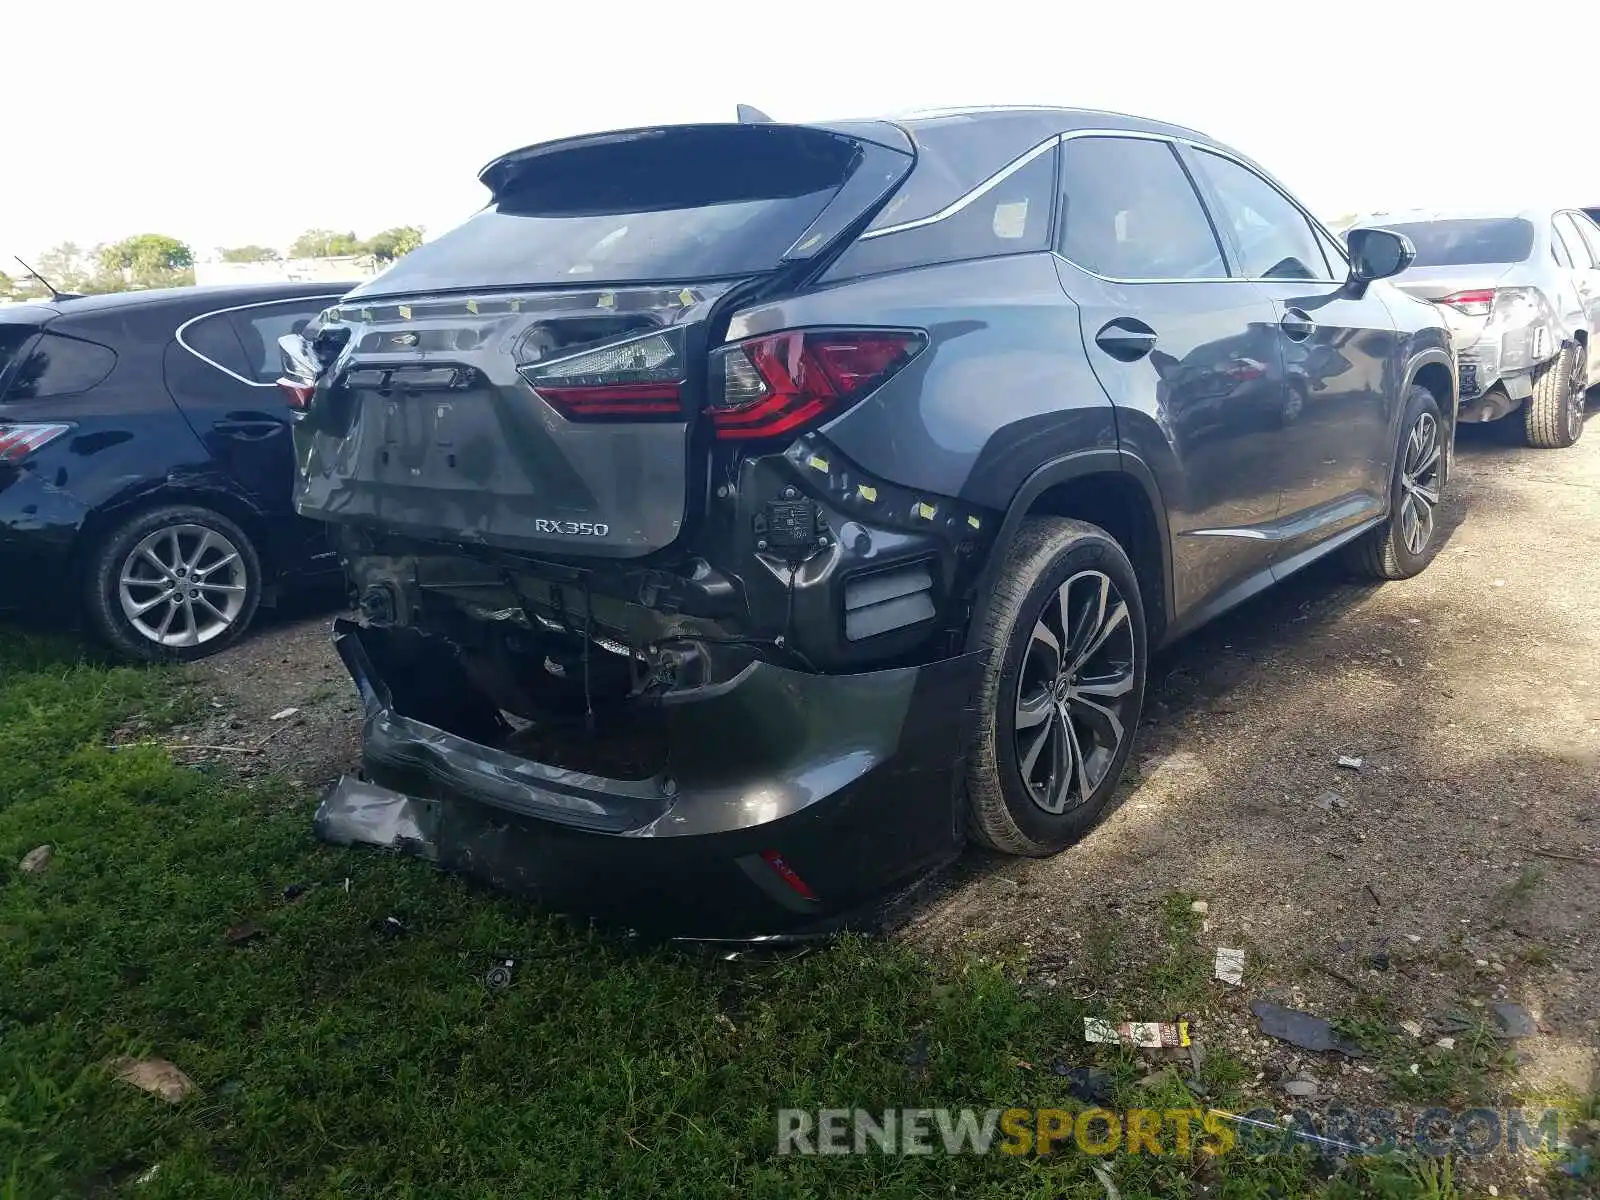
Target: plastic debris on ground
(1148,1035)
(36,860)
(1229,966)
(284,714)
(1328,801)
(1089,1084)
(1300,1029)
(1350,762)
(499,975)
(1414,1028)
(1103,1174)
(1514,1020)
(156,1076)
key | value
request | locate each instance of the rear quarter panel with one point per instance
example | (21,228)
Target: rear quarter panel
(1002,387)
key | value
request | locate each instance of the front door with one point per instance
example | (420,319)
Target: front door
(1187,354)
(1339,349)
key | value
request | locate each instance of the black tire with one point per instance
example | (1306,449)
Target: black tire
(1390,550)
(1552,418)
(117,557)
(1048,553)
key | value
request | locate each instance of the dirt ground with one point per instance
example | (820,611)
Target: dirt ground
(1471,695)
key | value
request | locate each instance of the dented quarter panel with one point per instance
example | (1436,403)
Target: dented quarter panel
(1002,387)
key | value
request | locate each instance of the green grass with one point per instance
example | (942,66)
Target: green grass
(335,1059)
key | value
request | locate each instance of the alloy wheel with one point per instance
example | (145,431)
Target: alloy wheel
(1419,483)
(183,585)
(1073,691)
(1579,393)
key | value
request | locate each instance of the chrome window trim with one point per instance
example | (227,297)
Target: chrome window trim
(1145,135)
(217,312)
(977,193)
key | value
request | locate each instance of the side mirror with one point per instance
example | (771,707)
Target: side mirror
(1378,253)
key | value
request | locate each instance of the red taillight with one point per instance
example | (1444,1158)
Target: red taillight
(1474,303)
(778,383)
(637,379)
(19,441)
(296,393)
(787,873)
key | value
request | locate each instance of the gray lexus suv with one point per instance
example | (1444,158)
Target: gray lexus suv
(743,516)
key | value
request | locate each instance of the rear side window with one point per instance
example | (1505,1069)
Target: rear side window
(13,340)
(686,203)
(1128,211)
(1584,254)
(57,365)
(1012,217)
(244,342)
(1590,232)
(1468,241)
(259,329)
(1558,247)
(1274,238)
(214,340)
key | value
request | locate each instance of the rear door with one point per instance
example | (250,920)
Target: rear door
(1188,355)
(1336,439)
(532,379)
(1577,227)
(221,369)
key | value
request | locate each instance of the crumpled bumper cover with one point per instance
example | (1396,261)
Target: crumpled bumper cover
(790,798)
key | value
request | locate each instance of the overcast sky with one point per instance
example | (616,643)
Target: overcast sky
(238,122)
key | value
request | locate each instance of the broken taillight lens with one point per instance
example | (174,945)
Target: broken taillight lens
(779,383)
(19,441)
(640,378)
(1475,303)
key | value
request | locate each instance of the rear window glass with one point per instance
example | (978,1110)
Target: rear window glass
(1464,241)
(690,203)
(59,366)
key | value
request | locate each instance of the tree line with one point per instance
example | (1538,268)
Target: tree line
(151,260)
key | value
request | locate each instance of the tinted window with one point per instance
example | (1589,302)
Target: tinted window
(1129,211)
(1558,247)
(1582,238)
(213,338)
(59,366)
(1465,241)
(259,329)
(695,202)
(1274,238)
(1013,217)
(13,338)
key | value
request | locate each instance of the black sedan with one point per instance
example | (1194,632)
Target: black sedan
(146,462)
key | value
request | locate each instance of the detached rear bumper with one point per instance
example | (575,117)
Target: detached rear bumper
(790,797)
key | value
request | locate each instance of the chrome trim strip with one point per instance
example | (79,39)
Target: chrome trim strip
(217,312)
(961,202)
(1145,135)
(1254,535)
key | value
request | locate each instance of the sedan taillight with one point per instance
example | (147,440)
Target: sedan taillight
(19,441)
(1476,303)
(776,384)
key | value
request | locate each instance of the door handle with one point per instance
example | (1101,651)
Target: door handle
(1126,339)
(1297,326)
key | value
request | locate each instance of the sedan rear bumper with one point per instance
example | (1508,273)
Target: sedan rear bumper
(789,798)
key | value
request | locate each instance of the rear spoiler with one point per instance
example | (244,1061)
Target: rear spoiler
(497,174)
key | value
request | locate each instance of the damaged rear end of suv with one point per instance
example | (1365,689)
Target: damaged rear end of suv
(634,637)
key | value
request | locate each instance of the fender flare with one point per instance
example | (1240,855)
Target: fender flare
(1068,467)
(1418,360)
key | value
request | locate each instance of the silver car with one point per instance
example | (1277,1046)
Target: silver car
(1521,294)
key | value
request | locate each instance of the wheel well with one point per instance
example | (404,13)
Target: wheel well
(102,521)
(1116,503)
(1436,378)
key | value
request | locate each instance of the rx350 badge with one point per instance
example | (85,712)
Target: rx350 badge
(571,528)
